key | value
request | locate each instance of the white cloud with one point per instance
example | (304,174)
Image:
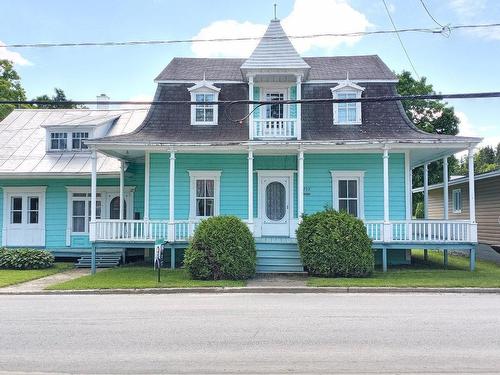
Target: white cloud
(307,17)
(477,12)
(490,135)
(468,8)
(15,57)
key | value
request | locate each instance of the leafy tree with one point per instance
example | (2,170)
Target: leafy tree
(59,96)
(486,159)
(10,87)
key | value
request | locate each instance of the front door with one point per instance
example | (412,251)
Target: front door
(25,219)
(275,206)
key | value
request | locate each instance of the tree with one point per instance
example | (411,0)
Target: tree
(10,87)
(486,159)
(59,96)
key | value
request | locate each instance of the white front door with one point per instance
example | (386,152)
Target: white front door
(275,206)
(24,219)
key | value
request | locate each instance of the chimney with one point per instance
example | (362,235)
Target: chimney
(102,101)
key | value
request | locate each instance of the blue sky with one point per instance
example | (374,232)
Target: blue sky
(465,62)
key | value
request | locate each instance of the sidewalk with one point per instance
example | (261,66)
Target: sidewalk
(39,285)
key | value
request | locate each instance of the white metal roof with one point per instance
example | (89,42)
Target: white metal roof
(275,51)
(460,180)
(23,144)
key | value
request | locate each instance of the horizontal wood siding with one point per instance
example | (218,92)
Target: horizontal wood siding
(233,182)
(487,207)
(318,182)
(159,186)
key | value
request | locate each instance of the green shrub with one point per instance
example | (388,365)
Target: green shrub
(335,244)
(25,259)
(222,247)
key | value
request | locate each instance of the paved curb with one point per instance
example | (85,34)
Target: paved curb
(251,290)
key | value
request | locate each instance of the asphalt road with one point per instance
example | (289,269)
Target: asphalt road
(251,333)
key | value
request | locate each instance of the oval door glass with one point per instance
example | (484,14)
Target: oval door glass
(275,201)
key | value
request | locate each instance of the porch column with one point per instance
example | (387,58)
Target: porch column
(387,226)
(171,199)
(122,188)
(472,200)
(426,191)
(250,107)
(299,111)
(445,188)
(93,208)
(300,185)
(250,190)
(146,185)
(409,186)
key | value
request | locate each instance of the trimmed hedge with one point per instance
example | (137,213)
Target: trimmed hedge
(335,244)
(222,247)
(25,259)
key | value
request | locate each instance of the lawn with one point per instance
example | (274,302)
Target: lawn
(137,277)
(424,274)
(10,277)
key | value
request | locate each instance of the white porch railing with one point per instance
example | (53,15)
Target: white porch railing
(415,231)
(275,128)
(422,231)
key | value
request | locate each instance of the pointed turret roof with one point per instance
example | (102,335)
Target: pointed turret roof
(274,51)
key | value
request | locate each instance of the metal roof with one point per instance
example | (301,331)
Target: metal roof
(23,143)
(461,180)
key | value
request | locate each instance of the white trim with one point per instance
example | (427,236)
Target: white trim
(385,162)
(426,191)
(445,188)
(454,201)
(147,168)
(408,184)
(347,87)
(208,175)
(69,138)
(472,195)
(24,192)
(274,90)
(250,187)
(204,88)
(250,107)
(316,81)
(203,85)
(353,175)
(299,107)
(194,81)
(300,185)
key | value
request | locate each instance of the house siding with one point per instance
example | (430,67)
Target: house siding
(487,193)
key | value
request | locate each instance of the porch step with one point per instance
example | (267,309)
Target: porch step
(274,257)
(106,260)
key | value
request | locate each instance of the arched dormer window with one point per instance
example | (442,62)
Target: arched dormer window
(204,114)
(347,113)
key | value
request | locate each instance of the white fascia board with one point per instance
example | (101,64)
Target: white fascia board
(32,175)
(194,81)
(338,81)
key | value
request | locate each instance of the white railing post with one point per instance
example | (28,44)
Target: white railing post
(472,198)
(426,191)
(171,199)
(93,196)
(387,225)
(122,188)
(250,190)
(147,162)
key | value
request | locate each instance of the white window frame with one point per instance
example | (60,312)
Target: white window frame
(203,175)
(59,140)
(286,109)
(347,87)
(82,147)
(69,138)
(455,200)
(205,88)
(349,175)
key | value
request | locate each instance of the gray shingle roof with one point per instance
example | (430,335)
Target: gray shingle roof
(322,68)
(274,51)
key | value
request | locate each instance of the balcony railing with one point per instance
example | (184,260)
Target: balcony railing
(274,128)
(414,231)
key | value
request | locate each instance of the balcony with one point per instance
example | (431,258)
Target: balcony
(274,128)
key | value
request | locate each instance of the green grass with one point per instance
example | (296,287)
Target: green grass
(424,274)
(136,277)
(11,277)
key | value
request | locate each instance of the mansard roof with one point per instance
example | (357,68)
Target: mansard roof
(274,51)
(332,68)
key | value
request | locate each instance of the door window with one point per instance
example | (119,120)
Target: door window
(114,209)
(275,110)
(275,201)
(16,210)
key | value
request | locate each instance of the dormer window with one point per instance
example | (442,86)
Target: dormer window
(202,113)
(78,139)
(58,141)
(347,113)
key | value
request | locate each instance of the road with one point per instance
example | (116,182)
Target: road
(250,333)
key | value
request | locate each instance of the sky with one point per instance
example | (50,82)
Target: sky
(466,61)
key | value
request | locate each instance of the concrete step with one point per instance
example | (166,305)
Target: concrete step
(106,260)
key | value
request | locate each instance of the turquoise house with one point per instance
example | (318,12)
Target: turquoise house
(106,180)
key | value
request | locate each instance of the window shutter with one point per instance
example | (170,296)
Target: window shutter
(256,96)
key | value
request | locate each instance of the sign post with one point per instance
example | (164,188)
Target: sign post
(158,261)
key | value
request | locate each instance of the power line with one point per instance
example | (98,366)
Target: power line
(399,38)
(242,39)
(430,15)
(474,95)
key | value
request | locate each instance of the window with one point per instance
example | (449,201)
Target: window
(81,211)
(275,110)
(347,113)
(348,192)
(457,200)
(33,207)
(204,194)
(58,141)
(204,112)
(77,140)
(16,210)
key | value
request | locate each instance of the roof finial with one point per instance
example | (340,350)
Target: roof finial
(204,76)
(275,13)
(347,76)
